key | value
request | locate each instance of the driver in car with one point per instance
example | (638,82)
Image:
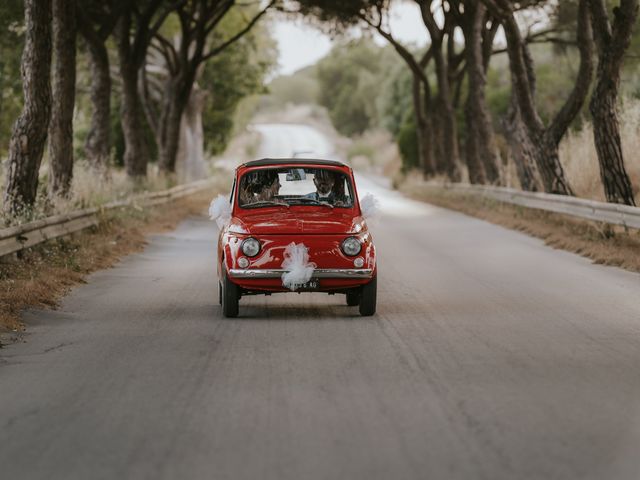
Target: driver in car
(324,180)
(329,188)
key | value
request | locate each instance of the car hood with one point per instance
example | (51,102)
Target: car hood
(287,223)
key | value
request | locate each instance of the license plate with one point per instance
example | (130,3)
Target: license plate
(313,284)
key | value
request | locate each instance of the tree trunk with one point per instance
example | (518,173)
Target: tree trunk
(436,121)
(168,134)
(523,81)
(478,117)
(449,122)
(544,139)
(451,152)
(190,163)
(98,142)
(173,102)
(535,155)
(136,155)
(30,129)
(551,171)
(617,186)
(522,149)
(423,109)
(545,148)
(64,90)
(475,167)
(612,43)
(423,132)
(428,136)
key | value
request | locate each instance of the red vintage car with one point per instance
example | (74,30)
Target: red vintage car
(296,226)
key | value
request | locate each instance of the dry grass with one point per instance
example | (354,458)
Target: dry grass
(580,160)
(89,189)
(601,243)
(46,273)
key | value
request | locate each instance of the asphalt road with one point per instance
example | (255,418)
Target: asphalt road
(491,357)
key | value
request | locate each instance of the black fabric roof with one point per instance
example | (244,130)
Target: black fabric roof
(300,161)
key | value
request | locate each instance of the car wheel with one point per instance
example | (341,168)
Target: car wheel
(230,298)
(220,293)
(368,298)
(353,298)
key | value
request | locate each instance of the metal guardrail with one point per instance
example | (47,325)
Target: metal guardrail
(611,213)
(14,239)
(23,236)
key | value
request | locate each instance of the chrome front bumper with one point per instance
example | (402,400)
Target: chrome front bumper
(317,273)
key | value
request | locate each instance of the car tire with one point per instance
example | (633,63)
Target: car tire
(368,298)
(220,293)
(230,298)
(353,298)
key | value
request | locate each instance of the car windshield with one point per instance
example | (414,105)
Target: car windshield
(270,187)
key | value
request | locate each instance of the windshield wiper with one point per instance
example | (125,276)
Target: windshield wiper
(266,202)
(313,201)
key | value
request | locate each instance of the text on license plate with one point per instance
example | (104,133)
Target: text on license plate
(313,284)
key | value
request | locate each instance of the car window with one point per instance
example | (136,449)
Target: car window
(295,186)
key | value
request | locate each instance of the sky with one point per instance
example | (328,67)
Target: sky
(301,45)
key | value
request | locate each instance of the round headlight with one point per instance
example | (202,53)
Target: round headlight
(250,247)
(351,246)
(243,262)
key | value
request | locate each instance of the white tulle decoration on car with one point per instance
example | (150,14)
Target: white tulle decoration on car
(370,207)
(220,210)
(299,269)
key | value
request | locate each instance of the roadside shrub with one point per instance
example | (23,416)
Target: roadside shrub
(408,144)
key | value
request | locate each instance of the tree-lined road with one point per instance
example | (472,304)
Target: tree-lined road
(491,357)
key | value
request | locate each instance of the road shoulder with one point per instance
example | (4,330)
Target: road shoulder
(603,244)
(42,275)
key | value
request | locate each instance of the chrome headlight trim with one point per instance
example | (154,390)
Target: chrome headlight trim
(351,246)
(250,247)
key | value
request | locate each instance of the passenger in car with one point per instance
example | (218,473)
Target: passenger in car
(270,186)
(260,186)
(249,188)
